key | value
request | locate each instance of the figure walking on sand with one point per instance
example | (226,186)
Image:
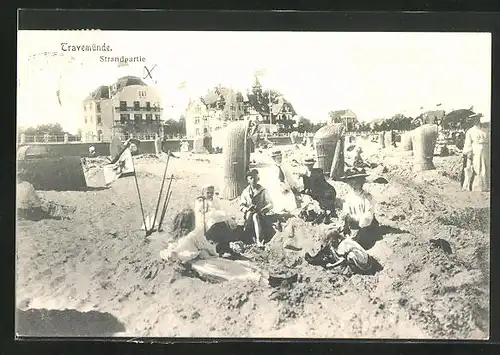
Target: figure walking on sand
(255,205)
(477,149)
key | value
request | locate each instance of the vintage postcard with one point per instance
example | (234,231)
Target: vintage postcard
(253,184)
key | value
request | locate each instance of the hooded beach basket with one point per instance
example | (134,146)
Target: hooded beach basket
(406,143)
(198,145)
(388,139)
(381,139)
(424,140)
(236,158)
(329,144)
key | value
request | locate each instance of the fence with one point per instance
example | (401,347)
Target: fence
(25,139)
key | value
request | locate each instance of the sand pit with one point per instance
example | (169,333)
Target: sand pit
(100,261)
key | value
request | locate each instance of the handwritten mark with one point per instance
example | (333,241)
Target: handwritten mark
(148,72)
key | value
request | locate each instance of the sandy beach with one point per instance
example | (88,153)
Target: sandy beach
(96,274)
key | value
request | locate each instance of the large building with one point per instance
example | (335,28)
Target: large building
(129,106)
(213,111)
(222,105)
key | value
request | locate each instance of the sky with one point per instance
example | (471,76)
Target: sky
(374,74)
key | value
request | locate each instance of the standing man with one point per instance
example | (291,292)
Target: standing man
(477,149)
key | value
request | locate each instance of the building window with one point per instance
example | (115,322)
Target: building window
(98,107)
(137,106)
(85,120)
(99,120)
(148,106)
(137,117)
(124,117)
(157,117)
(142,93)
(149,117)
(123,105)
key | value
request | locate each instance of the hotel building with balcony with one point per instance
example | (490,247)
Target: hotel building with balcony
(129,106)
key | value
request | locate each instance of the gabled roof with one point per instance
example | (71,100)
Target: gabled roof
(277,107)
(102,92)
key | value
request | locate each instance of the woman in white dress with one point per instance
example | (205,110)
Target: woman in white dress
(477,148)
(281,186)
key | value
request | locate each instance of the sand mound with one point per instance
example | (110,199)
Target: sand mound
(100,261)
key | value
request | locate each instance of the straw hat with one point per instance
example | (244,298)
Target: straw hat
(476,116)
(276,153)
(351,174)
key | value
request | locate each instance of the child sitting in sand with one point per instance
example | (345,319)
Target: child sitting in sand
(208,211)
(255,205)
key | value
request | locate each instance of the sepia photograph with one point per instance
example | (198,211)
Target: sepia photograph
(197,184)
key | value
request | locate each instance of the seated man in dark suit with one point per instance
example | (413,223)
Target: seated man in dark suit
(316,186)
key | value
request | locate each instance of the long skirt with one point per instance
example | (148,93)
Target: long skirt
(481,167)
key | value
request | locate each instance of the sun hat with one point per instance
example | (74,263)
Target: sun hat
(353,173)
(308,161)
(276,153)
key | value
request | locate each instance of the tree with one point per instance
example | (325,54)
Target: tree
(304,125)
(52,129)
(174,127)
(182,125)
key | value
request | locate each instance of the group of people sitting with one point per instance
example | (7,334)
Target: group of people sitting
(215,232)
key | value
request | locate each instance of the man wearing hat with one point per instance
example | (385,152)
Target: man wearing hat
(477,150)
(281,186)
(255,205)
(318,188)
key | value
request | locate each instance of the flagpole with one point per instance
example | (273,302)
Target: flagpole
(140,199)
(160,194)
(165,203)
